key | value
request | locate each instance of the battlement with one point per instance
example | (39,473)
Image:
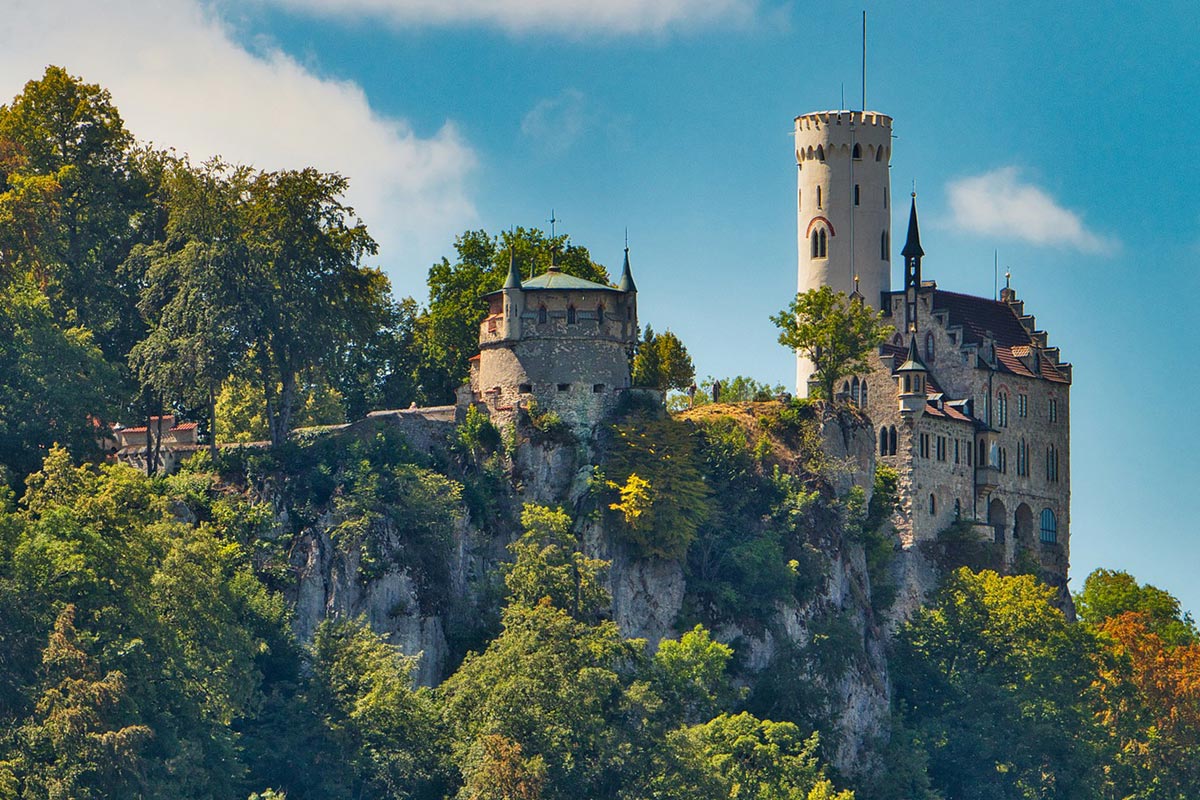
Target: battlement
(815,120)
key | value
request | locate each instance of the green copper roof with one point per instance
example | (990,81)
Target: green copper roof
(561,281)
(914,362)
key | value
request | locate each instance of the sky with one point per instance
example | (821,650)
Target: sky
(1058,137)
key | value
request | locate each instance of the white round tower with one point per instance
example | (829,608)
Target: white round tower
(842,204)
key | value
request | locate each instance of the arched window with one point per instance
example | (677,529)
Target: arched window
(863,393)
(883,245)
(929,351)
(957,509)
(856,194)
(1051,464)
(542,315)
(883,441)
(600,313)
(932,504)
(854,391)
(1002,408)
(907,383)
(819,243)
(1049,527)
(818,197)
(857,154)
(897,339)
(846,388)
(879,154)
(892,439)
(571,315)
(820,154)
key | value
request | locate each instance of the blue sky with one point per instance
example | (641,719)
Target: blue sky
(1061,135)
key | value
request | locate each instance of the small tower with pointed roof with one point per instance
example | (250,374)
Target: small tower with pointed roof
(910,381)
(556,341)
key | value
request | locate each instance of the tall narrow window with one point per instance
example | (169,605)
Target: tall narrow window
(818,197)
(1002,409)
(854,391)
(929,350)
(820,155)
(799,198)
(600,314)
(932,505)
(814,244)
(885,197)
(883,245)
(1022,405)
(892,439)
(864,393)
(957,509)
(1053,410)
(879,154)
(857,153)
(542,315)
(856,194)
(883,441)
(1049,533)
(570,315)
(956,443)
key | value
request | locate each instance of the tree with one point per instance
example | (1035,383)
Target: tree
(1107,594)
(448,331)
(1000,688)
(56,385)
(548,566)
(385,734)
(77,178)
(73,745)
(1152,709)
(662,362)
(190,299)
(832,331)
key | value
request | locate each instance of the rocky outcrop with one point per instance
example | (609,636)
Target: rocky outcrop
(647,593)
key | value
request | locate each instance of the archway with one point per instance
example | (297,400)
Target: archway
(997,516)
(1023,525)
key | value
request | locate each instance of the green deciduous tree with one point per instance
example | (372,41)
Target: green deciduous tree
(999,687)
(548,566)
(73,177)
(832,331)
(56,383)
(1108,594)
(385,734)
(448,331)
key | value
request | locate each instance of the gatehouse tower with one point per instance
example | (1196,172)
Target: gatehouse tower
(842,207)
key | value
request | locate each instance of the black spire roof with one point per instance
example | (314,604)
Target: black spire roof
(912,245)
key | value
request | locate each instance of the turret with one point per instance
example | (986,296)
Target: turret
(842,204)
(514,299)
(910,389)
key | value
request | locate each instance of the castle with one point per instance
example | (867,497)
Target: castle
(970,402)
(557,343)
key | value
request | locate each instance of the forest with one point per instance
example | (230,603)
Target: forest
(146,642)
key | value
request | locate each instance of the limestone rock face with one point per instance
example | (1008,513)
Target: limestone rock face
(647,593)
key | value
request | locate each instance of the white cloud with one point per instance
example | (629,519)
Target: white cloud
(572,17)
(181,80)
(556,123)
(1000,203)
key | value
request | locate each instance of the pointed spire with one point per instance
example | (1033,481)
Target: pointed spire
(913,363)
(912,245)
(514,274)
(626,283)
